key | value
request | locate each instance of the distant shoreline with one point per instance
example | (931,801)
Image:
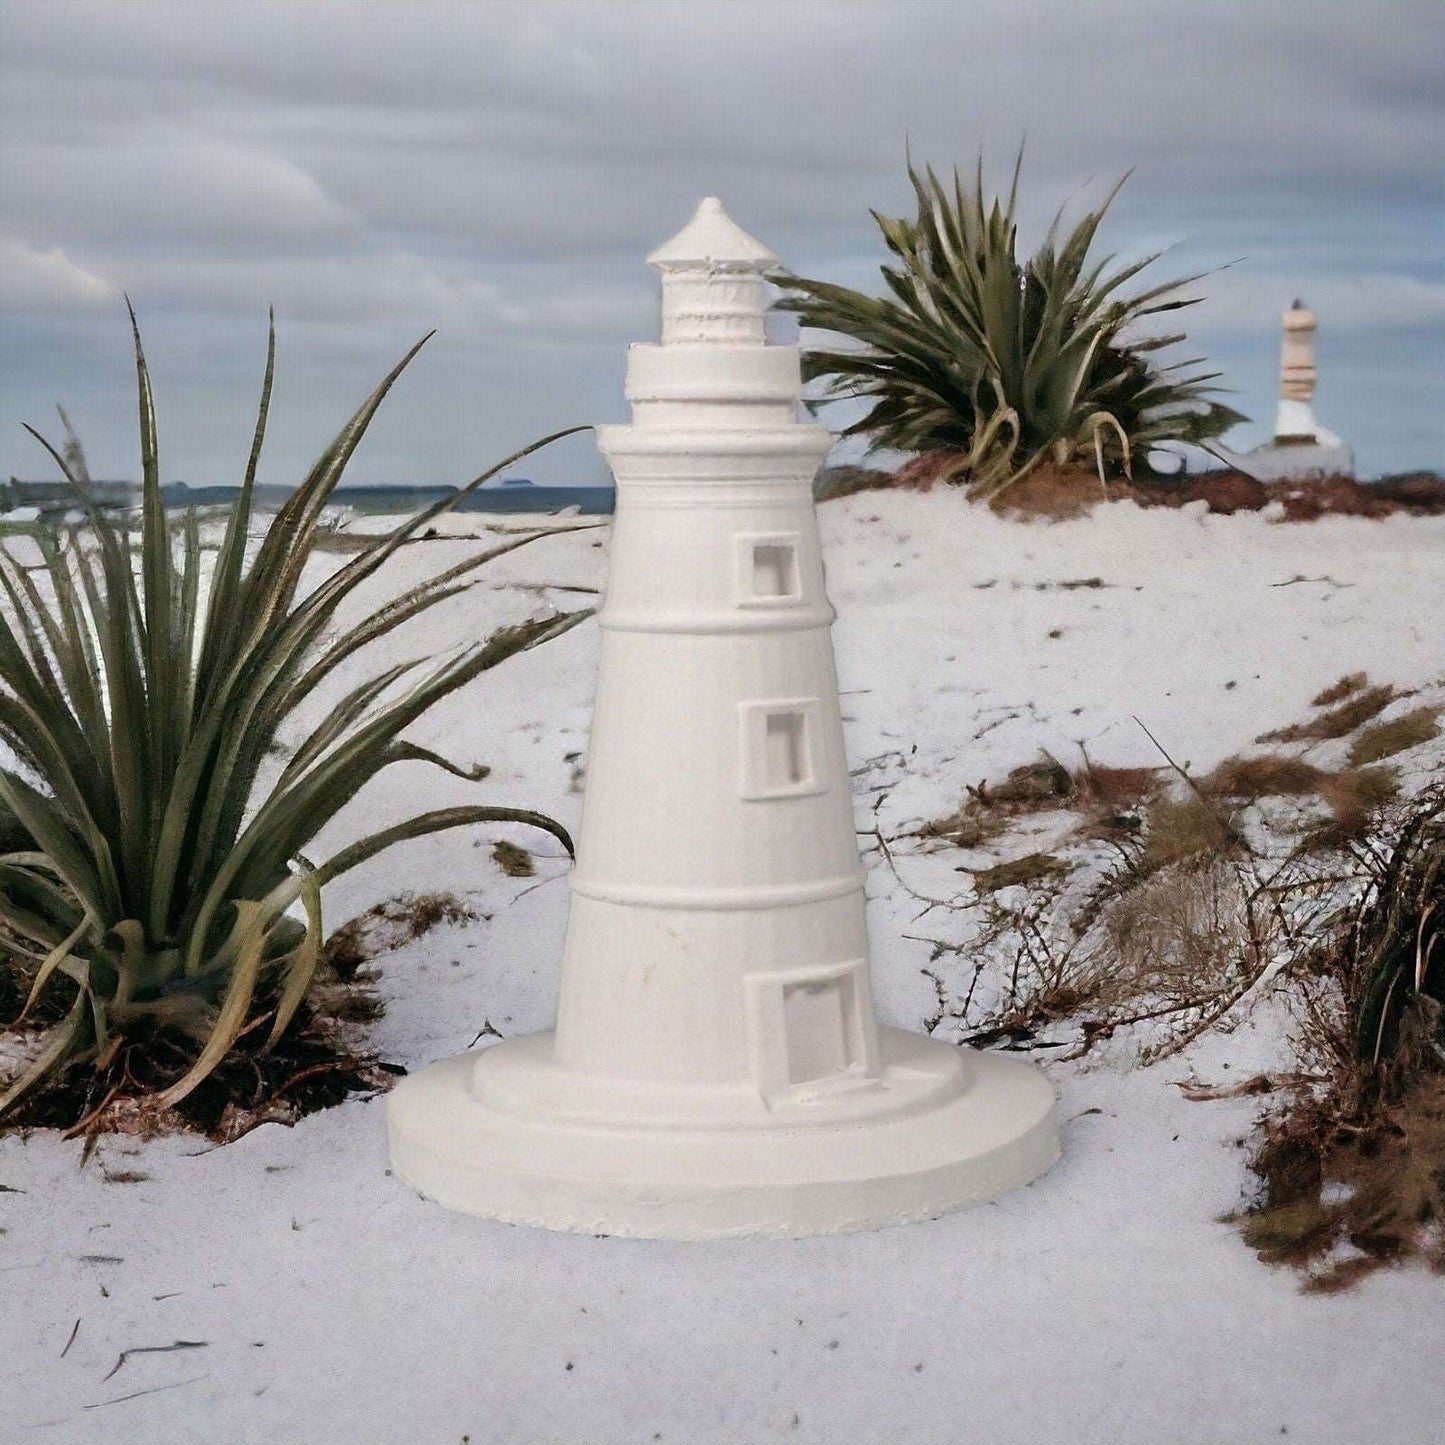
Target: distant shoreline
(49,498)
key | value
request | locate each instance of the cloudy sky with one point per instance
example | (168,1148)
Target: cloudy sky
(497,170)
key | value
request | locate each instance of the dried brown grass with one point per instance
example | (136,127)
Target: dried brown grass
(1354,797)
(1107,800)
(1044,781)
(1180,828)
(392,924)
(1385,739)
(1110,801)
(1115,788)
(1031,868)
(1339,721)
(1345,1192)
(1338,691)
(970,828)
(1181,945)
(513,860)
(1274,775)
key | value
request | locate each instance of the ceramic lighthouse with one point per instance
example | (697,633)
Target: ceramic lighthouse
(716,1069)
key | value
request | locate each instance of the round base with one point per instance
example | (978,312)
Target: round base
(819,1175)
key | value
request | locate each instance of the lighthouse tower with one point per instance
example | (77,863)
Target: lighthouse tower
(716,1068)
(1301,448)
(1296,424)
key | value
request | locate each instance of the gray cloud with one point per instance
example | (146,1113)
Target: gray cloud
(499,170)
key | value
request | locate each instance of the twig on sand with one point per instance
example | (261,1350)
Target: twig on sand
(540,883)
(136,1394)
(157,1350)
(1231,834)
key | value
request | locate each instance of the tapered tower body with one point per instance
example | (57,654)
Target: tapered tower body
(716,1068)
(717,846)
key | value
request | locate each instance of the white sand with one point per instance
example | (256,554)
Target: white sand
(1103,1304)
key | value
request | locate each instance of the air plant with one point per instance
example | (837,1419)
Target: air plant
(1001,362)
(145,854)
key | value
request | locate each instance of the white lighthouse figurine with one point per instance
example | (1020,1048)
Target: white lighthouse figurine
(716,1069)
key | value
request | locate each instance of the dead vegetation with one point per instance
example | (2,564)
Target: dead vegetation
(514,861)
(318,1062)
(1107,801)
(1176,931)
(1061,493)
(1354,796)
(1274,775)
(1178,949)
(1352,1163)
(1338,691)
(1031,868)
(1359,706)
(1181,828)
(1182,947)
(392,924)
(1346,1195)
(1385,739)
(1209,905)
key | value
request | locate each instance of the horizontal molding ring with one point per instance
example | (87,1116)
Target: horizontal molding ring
(790,619)
(718,900)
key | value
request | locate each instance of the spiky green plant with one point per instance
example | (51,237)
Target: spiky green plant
(141,852)
(1395,946)
(1005,362)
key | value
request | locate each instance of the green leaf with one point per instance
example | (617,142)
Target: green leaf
(245,950)
(61,1043)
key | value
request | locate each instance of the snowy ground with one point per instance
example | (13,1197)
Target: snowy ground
(319,1301)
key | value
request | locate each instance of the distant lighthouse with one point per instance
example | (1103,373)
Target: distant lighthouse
(716,1068)
(1296,425)
(1300,448)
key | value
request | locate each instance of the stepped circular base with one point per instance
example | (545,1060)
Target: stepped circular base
(833,1171)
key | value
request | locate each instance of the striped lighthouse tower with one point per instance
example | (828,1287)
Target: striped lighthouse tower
(716,1068)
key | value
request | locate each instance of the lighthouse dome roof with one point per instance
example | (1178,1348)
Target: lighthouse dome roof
(712,241)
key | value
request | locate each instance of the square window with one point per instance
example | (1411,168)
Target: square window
(779,744)
(785,752)
(768,573)
(817,1028)
(775,569)
(811,1031)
